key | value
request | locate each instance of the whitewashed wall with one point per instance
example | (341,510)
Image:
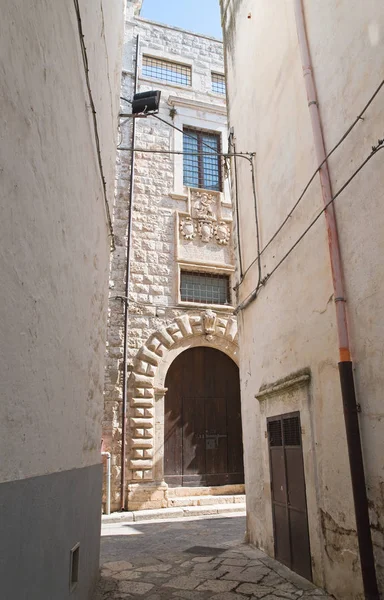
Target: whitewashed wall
(54,250)
(291,325)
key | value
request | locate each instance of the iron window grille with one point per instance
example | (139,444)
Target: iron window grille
(204,288)
(218,83)
(165,70)
(202,168)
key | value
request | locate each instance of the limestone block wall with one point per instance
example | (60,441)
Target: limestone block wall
(160,245)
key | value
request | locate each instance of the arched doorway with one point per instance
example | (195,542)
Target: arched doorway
(202,425)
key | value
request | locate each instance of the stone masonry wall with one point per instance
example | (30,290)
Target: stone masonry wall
(153,288)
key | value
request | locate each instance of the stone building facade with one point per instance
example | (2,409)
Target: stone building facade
(300,501)
(180,228)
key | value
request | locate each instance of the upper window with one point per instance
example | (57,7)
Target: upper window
(218,83)
(206,288)
(157,68)
(202,167)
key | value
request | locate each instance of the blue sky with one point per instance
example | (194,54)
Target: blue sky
(200,16)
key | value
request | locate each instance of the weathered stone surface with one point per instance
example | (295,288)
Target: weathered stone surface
(184,582)
(164,558)
(156,323)
(213,585)
(135,588)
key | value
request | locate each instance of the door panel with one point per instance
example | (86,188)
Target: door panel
(216,435)
(301,560)
(193,446)
(203,437)
(289,505)
(282,541)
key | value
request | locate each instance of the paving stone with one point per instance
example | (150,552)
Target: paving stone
(213,574)
(185,594)
(126,575)
(236,562)
(157,577)
(135,587)
(251,574)
(157,565)
(184,582)
(155,568)
(120,565)
(228,596)
(253,588)
(213,585)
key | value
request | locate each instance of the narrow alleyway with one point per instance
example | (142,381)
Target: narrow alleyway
(194,559)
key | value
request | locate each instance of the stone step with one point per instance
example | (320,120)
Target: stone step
(220,490)
(174,513)
(178,501)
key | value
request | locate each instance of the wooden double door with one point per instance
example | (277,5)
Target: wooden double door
(202,429)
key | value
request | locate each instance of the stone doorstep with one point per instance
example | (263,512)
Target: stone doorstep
(221,490)
(173,513)
(179,501)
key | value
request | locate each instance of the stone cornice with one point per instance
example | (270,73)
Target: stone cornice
(294,381)
(220,109)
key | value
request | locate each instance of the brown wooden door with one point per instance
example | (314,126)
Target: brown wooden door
(289,506)
(202,429)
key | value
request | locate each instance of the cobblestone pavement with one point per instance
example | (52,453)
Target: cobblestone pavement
(199,559)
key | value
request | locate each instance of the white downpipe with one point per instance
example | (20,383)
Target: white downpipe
(108,503)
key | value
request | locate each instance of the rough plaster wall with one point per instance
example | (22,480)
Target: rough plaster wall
(355,34)
(292,323)
(153,286)
(54,250)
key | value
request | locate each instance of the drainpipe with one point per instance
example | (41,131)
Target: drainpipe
(108,490)
(345,365)
(127,279)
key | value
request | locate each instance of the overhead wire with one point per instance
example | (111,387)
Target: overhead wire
(253,294)
(94,119)
(341,140)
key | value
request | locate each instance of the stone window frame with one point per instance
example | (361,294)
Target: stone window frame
(211,268)
(175,67)
(223,281)
(200,132)
(173,58)
(187,117)
(221,76)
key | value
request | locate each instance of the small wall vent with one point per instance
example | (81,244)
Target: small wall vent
(74,567)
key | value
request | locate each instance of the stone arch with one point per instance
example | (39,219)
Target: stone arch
(146,384)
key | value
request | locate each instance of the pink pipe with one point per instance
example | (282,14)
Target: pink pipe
(333,238)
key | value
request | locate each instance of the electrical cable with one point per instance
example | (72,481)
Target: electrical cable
(203,306)
(344,136)
(246,155)
(95,125)
(253,294)
(237,209)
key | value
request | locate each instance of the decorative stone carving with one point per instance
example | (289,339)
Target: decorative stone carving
(187,228)
(143,390)
(203,206)
(209,321)
(222,232)
(205,219)
(205,231)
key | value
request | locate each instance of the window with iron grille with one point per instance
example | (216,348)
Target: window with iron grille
(206,288)
(165,70)
(218,83)
(202,167)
